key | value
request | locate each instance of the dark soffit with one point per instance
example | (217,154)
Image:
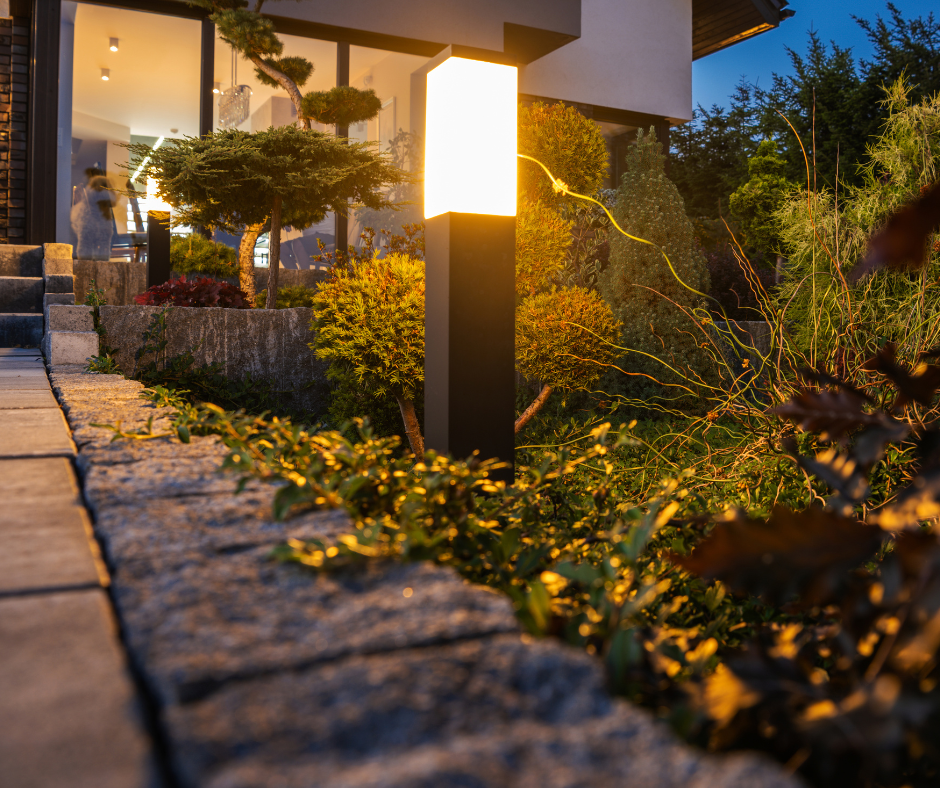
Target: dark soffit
(717,24)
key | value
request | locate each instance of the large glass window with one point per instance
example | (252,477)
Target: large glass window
(135,78)
(397,129)
(244,102)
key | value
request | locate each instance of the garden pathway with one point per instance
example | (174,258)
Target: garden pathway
(69,716)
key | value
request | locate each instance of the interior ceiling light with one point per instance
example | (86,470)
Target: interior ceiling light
(114,45)
(105,74)
(146,161)
(216,87)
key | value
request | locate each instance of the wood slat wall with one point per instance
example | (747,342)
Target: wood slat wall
(14,82)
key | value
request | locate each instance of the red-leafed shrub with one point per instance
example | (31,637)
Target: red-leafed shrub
(201,291)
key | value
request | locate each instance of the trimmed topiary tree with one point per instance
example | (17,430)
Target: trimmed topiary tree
(253,36)
(566,142)
(564,340)
(562,336)
(369,321)
(232,179)
(543,238)
(641,289)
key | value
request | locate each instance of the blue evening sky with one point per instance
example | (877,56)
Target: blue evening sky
(714,76)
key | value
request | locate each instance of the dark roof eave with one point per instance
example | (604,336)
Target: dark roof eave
(717,24)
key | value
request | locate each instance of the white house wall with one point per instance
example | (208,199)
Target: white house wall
(633,55)
(476,24)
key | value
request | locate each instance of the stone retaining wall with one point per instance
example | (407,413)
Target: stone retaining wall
(270,345)
(266,675)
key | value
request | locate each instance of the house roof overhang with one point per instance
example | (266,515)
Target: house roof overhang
(717,24)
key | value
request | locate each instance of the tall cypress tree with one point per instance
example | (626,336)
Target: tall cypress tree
(641,289)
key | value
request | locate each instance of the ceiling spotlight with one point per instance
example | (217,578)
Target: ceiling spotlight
(114,45)
(216,87)
(105,74)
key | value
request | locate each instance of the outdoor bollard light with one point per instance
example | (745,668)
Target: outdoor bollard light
(158,236)
(470,208)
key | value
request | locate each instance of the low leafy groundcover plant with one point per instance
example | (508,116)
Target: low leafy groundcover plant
(201,291)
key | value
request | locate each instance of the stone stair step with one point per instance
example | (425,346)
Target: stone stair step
(19,260)
(19,329)
(21,294)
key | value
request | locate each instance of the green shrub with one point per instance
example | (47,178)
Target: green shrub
(564,337)
(196,254)
(564,340)
(369,322)
(644,293)
(543,239)
(288,297)
(569,144)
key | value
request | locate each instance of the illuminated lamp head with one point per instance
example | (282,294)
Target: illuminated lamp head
(470,144)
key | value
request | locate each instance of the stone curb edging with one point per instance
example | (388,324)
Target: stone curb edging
(267,675)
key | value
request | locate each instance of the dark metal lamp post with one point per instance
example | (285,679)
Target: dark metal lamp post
(158,237)
(470,208)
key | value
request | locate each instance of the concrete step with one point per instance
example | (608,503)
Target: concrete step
(21,294)
(70,347)
(17,260)
(20,329)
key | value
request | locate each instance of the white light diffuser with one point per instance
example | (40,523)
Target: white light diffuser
(155,201)
(470,143)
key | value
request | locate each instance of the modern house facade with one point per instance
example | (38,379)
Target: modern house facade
(85,78)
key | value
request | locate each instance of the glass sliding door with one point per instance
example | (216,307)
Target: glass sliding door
(395,131)
(135,78)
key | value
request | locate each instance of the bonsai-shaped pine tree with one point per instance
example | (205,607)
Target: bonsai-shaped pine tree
(638,284)
(563,335)
(231,179)
(252,35)
(369,319)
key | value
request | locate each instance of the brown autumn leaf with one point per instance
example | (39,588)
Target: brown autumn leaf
(919,502)
(823,378)
(833,414)
(869,444)
(840,472)
(901,245)
(920,387)
(808,553)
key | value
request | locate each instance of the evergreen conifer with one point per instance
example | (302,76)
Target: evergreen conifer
(641,289)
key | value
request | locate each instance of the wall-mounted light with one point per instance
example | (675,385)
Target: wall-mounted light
(216,87)
(470,207)
(105,74)
(114,45)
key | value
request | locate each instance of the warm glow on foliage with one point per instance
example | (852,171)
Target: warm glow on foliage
(469,167)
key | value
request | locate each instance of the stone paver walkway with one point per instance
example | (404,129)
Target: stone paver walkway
(69,716)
